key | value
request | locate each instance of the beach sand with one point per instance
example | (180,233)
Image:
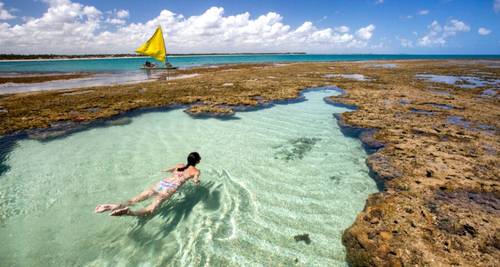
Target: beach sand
(437,143)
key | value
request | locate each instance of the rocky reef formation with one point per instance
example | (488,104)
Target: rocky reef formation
(434,146)
(439,166)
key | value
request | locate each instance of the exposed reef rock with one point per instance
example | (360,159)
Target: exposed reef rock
(439,168)
(209,111)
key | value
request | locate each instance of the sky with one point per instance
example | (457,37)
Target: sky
(218,26)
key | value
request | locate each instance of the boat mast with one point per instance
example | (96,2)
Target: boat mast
(165,49)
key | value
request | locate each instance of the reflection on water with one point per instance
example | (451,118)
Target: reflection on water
(460,81)
(384,66)
(357,77)
(99,79)
(269,176)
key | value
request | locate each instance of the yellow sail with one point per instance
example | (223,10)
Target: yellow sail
(154,47)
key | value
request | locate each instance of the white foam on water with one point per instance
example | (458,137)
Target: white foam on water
(265,178)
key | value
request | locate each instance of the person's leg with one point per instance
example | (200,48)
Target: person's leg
(105,207)
(160,198)
(142,196)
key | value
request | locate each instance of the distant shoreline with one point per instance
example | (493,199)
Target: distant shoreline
(346,57)
(16,57)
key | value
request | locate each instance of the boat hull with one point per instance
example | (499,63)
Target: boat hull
(158,68)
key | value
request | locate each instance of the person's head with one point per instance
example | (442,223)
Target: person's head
(192,159)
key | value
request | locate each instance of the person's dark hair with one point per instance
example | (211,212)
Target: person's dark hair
(192,159)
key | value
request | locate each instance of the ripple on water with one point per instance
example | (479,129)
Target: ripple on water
(265,179)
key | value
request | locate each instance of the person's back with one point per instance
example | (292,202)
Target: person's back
(182,174)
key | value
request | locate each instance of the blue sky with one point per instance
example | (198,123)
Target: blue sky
(363,26)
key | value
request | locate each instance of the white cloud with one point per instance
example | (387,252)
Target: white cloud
(366,32)
(379,2)
(423,12)
(117,17)
(122,14)
(342,29)
(63,25)
(438,36)
(405,42)
(68,27)
(483,31)
(454,26)
(116,21)
(496,6)
(5,14)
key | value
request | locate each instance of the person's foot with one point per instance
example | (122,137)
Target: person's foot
(105,207)
(120,212)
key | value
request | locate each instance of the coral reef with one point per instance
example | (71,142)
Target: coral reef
(434,146)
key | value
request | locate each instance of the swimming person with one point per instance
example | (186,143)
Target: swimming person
(162,191)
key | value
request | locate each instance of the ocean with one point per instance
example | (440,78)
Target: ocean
(131,64)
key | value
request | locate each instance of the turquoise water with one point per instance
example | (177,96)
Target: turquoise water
(124,64)
(267,176)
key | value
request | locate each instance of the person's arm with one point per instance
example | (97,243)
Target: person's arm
(196,178)
(173,168)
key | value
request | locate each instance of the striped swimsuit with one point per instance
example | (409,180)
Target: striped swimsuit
(166,185)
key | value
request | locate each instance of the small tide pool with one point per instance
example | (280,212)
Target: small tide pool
(466,82)
(356,77)
(267,176)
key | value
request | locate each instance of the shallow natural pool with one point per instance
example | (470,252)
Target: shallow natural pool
(267,176)
(467,82)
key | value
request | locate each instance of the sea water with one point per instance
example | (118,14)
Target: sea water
(133,63)
(266,176)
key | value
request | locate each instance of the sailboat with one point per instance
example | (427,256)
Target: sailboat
(155,48)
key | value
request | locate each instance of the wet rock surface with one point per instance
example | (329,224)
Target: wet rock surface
(119,122)
(440,171)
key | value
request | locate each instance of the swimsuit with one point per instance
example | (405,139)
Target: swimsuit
(165,185)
